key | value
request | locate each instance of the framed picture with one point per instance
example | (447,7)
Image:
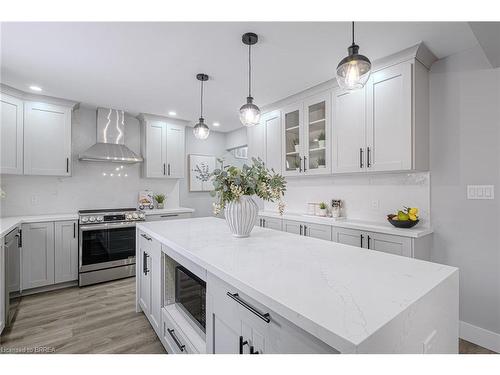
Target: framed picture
(200,169)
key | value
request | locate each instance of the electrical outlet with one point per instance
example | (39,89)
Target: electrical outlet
(375,204)
(480,192)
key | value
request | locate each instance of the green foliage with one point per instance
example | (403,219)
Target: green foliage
(321,136)
(322,205)
(230,183)
(159,198)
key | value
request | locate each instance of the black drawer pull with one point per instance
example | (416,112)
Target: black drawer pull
(176,340)
(361,238)
(242,344)
(146,236)
(253,351)
(236,297)
(169,215)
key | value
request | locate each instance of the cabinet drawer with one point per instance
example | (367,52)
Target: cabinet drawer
(391,244)
(323,232)
(270,222)
(175,338)
(245,316)
(172,216)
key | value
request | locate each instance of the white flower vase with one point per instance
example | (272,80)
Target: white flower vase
(241,215)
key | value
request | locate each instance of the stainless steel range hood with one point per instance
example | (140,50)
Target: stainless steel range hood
(110,146)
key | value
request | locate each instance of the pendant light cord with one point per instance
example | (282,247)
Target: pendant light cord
(249,70)
(352,32)
(201,101)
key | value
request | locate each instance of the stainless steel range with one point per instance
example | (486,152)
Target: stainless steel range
(107,244)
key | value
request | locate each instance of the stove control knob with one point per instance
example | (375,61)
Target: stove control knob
(92,219)
(141,216)
(128,217)
(135,216)
(100,218)
(85,219)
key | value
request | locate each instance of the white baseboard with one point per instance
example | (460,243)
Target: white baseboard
(480,336)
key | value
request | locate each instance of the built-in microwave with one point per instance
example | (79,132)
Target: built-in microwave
(190,295)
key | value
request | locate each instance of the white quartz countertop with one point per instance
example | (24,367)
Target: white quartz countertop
(386,228)
(10,222)
(338,293)
(163,211)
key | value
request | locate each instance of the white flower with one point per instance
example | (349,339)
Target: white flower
(281,207)
(237,191)
(216,208)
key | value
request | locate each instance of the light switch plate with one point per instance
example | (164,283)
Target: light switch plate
(480,192)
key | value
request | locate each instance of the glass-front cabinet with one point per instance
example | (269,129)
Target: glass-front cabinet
(306,136)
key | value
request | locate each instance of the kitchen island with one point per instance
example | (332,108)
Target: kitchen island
(277,292)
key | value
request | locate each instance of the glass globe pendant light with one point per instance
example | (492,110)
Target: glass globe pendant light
(354,70)
(249,112)
(201,130)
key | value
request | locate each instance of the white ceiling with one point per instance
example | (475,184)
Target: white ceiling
(151,67)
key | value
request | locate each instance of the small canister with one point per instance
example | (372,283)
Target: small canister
(336,208)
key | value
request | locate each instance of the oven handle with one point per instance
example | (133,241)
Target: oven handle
(85,228)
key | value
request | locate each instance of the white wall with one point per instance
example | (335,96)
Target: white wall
(366,197)
(87,187)
(465,135)
(236,138)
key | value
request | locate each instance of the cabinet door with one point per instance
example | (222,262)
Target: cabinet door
(256,138)
(66,251)
(143,273)
(389,119)
(47,139)
(387,243)
(317,143)
(156,149)
(351,237)
(323,232)
(11,135)
(272,223)
(175,150)
(3,288)
(292,140)
(293,227)
(349,131)
(156,282)
(272,124)
(38,255)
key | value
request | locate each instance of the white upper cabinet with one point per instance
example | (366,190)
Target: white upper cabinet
(264,140)
(292,139)
(163,148)
(11,135)
(349,131)
(317,129)
(175,150)
(47,139)
(389,120)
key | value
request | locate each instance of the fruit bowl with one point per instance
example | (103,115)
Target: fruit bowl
(406,224)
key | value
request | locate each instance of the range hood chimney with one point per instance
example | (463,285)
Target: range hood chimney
(110,140)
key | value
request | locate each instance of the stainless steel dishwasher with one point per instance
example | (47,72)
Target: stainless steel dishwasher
(12,249)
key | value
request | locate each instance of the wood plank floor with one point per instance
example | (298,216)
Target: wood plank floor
(95,319)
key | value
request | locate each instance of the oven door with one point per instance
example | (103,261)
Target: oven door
(106,245)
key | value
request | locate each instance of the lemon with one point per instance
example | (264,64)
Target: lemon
(413,211)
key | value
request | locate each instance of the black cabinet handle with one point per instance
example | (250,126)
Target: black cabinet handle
(260,222)
(252,351)
(361,237)
(74,230)
(169,169)
(169,215)
(361,158)
(305,230)
(264,223)
(176,340)
(145,236)
(301,229)
(246,305)
(305,164)
(164,169)
(242,344)
(300,164)
(145,263)
(368,164)
(368,239)
(19,236)
(67,165)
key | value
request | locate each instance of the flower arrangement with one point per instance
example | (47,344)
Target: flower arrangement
(231,183)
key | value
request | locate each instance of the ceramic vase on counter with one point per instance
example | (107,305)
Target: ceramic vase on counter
(241,215)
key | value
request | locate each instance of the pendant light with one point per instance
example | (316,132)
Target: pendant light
(354,70)
(249,112)
(201,130)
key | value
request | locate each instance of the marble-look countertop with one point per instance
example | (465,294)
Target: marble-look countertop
(338,293)
(10,222)
(163,211)
(371,226)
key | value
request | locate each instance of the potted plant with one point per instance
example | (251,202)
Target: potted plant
(296,144)
(321,162)
(321,140)
(322,209)
(160,200)
(234,188)
(296,164)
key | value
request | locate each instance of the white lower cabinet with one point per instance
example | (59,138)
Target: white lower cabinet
(270,222)
(323,232)
(3,287)
(49,253)
(237,324)
(66,251)
(150,280)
